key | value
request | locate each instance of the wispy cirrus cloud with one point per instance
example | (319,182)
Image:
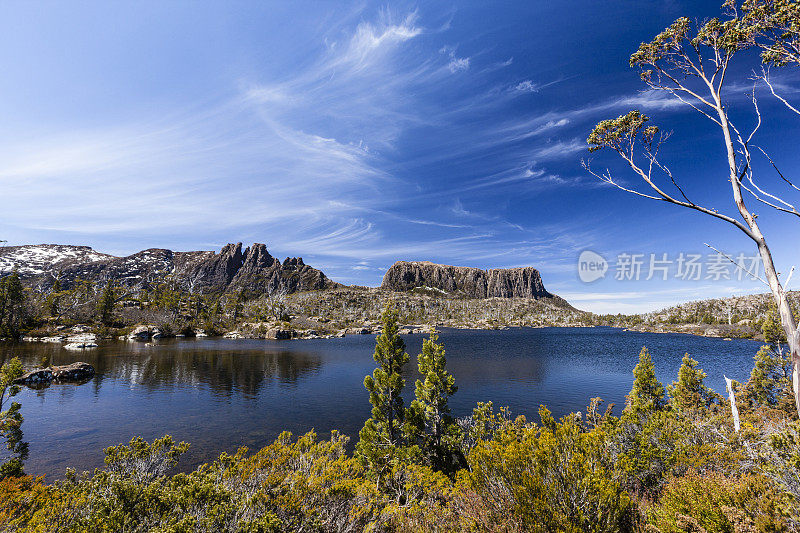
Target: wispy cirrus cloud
(168,172)
(527,86)
(391,135)
(456,64)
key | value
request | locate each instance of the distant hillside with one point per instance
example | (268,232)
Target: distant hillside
(253,269)
(736,316)
(736,310)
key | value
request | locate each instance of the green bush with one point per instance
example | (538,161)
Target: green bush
(717,504)
(556,476)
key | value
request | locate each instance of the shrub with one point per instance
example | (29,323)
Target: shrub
(714,503)
(286,486)
(550,477)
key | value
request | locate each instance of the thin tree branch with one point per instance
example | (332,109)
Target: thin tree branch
(726,256)
(765,78)
(778,170)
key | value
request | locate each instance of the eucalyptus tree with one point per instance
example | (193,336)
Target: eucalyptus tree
(694,63)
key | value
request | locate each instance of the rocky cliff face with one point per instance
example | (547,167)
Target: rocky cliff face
(471,282)
(252,270)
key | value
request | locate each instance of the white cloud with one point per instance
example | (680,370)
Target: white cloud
(245,161)
(371,41)
(458,64)
(458,208)
(527,86)
(558,149)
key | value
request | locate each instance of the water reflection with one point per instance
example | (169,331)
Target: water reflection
(180,364)
(220,394)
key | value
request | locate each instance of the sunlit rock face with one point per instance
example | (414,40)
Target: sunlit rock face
(522,282)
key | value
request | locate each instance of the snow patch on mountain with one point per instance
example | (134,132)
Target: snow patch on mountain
(36,259)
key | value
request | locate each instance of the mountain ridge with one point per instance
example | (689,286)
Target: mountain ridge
(253,269)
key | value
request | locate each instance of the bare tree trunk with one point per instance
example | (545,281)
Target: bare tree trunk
(770,272)
(787,320)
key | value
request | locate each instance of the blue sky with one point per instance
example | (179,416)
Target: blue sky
(358,134)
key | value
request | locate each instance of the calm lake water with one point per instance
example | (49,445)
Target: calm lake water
(220,394)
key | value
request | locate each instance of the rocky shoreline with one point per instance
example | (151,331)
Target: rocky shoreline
(77,338)
(720,331)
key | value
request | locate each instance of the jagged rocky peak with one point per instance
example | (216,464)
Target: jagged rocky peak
(257,256)
(252,270)
(523,282)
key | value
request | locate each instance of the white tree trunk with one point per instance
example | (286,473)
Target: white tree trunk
(770,272)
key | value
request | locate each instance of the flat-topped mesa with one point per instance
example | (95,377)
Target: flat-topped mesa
(523,282)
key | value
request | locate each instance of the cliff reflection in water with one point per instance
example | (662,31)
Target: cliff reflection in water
(244,367)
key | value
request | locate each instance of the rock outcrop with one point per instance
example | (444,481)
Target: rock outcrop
(253,269)
(470,282)
(73,373)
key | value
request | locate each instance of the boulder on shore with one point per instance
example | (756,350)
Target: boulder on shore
(35,377)
(279,334)
(79,345)
(142,333)
(82,338)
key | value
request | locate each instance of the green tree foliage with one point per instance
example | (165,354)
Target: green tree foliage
(11,420)
(772,330)
(52,299)
(429,421)
(774,26)
(689,393)
(620,133)
(647,394)
(770,380)
(12,300)
(106,304)
(649,437)
(382,434)
(167,297)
